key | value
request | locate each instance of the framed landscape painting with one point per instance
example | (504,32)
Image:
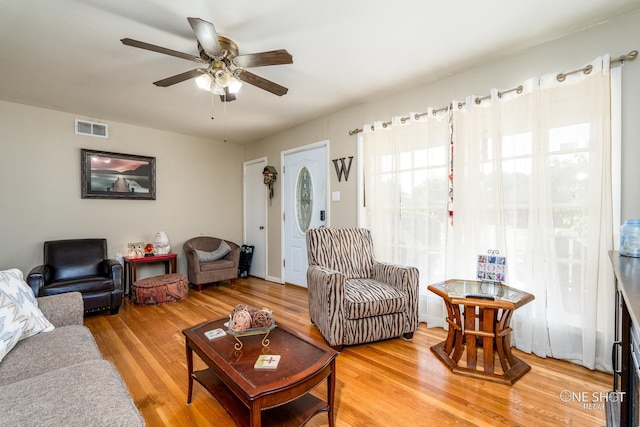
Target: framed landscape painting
(108,175)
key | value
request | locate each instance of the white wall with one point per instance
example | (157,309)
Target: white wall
(616,37)
(198,181)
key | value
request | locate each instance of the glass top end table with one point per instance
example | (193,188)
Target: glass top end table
(479,316)
(481,289)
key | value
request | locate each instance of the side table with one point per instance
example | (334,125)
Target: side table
(131,265)
(487,308)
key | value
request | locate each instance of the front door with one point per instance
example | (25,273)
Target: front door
(304,206)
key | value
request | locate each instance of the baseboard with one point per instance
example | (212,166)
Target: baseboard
(274,279)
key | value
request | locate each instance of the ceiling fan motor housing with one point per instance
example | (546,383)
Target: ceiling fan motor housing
(228,47)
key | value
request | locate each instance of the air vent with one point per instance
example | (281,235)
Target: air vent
(84,127)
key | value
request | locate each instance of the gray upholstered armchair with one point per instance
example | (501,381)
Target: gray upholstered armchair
(201,270)
(353,298)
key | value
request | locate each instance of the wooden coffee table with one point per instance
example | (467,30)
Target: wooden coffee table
(279,397)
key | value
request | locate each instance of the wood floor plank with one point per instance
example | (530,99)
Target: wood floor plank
(388,383)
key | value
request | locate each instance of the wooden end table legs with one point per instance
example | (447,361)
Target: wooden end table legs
(189,374)
(331,392)
(131,267)
(487,329)
(454,341)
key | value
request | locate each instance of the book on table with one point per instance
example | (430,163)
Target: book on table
(215,333)
(267,361)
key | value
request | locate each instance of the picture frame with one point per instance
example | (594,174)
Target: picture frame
(107,175)
(135,250)
(491,268)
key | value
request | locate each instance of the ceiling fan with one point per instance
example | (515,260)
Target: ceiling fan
(225,68)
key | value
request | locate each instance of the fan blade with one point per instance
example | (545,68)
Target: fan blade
(273,57)
(262,83)
(206,34)
(154,48)
(228,96)
(180,77)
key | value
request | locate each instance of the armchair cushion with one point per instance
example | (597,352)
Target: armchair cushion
(80,284)
(219,264)
(72,259)
(221,251)
(349,251)
(367,297)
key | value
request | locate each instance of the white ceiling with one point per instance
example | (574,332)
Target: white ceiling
(67,55)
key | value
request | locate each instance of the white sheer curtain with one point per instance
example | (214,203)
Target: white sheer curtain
(532,179)
(405,166)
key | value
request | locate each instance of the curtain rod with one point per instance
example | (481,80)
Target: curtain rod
(560,77)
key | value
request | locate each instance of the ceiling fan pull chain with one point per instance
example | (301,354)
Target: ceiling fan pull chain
(225,116)
(212,116)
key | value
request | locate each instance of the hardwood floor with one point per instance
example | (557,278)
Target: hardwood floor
(388,383)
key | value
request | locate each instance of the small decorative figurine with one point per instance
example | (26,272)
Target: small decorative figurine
(148,250)
(162,243)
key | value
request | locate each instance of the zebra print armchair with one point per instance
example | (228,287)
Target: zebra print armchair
(354,299)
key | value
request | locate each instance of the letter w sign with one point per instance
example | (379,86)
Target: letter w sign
(342,169)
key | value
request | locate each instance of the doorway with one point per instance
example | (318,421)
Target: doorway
(304,203)
(255,215)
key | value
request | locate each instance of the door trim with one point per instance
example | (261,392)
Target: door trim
(283,154)
(244,212)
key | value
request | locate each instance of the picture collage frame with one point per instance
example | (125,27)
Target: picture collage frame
(492,267)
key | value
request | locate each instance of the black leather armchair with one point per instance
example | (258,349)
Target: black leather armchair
(79,265)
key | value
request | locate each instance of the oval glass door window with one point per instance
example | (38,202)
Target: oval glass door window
(304,199)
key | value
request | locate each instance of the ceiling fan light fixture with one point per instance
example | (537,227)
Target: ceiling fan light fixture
(235,85)
(222,77)
(204,81)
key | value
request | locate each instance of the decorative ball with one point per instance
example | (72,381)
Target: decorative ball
(261,319)
(241,320)
(238,308)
